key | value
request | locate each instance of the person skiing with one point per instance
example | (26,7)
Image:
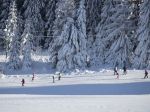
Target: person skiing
(115,70)
(33,76)
(117,75)
(146,74)
(53,79)
(124,70)
(23,82)
(59,76)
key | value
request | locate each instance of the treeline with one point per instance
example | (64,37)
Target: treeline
(77,33)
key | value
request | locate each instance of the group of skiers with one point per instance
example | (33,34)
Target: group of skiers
(115,73)
(125,72)
(33,76)
(23,80)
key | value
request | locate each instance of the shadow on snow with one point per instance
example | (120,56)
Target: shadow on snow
(138,88)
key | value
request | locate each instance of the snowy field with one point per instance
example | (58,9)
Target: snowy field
(88,91)
(82,83)
(33,103)
(80,91)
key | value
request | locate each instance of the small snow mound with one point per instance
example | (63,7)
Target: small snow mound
(89,72)
(57,73)
(2,76)
(103,71)
(77,70)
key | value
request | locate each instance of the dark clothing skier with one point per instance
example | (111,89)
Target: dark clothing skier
(146,74)
(23,82)
(53,79)
(117,75)
(115,71)
(124,70)
(59,76)
(33,77)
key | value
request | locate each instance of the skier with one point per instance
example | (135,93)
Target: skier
(115,70)
(146,74)
(59,76)
(53,79)
(23,82)
(124,70)
(117,75)
(33,76)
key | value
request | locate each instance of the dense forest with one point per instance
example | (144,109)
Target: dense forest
(76,33)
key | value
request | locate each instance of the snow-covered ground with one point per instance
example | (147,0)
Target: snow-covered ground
(80,91)
(86,83)
(88,91)
(32,103)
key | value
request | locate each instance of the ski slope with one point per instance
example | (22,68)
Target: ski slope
(87,91)
(80,91)
(82,83)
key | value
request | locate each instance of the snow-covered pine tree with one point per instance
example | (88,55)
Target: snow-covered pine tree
(64,9)
(68,50)
(27,45)
(100,44)
(13,37)
(1,30)
(50,18)
(33,12)
(142,52)
(117,40)
(80,41)
(134,19)
(4,10)
(1,19)
(93,12)
(20,24)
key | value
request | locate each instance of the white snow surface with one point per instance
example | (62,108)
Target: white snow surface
(79,91)
(89,91)
(24,103)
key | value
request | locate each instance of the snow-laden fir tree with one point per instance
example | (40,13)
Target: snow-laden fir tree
(142,52)
(13,37)
(33,12)
(93,12)
(65,57)
(68,49)
(117,40)
(80,42)
(27,45)
(50,17)
(102,31)
(64,9)
(134,19)
(20,24)
(1,31)
(9,26)
(4,10)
